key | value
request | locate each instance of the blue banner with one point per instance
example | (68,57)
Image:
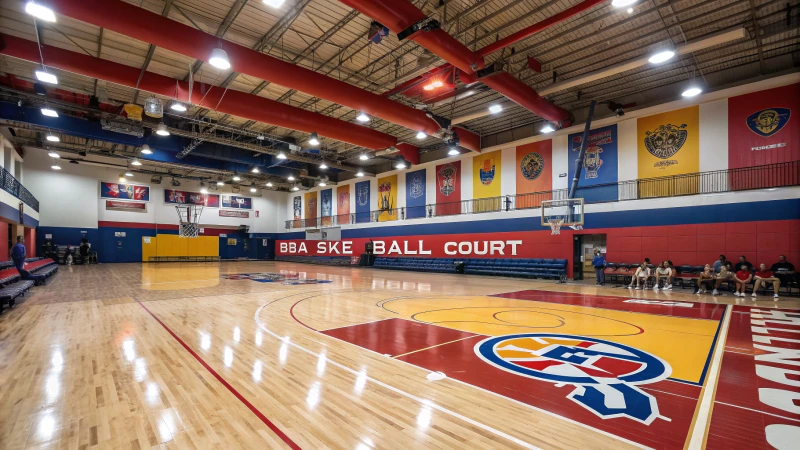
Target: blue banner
(362,201)
(600,166)
(234,201)
(125,191)
(415,194)
(326,197)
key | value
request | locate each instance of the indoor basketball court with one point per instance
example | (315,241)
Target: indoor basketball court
(395,224)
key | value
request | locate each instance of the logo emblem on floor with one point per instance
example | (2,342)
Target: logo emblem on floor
(605,375)
(283,278)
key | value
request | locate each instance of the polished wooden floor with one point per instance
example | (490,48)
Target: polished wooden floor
(178,356)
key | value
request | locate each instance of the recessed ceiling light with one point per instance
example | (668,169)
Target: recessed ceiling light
(274,3)
(421,135)
(494,109)
(161,130)
(136,162)
(178,106)
(547,129)
(290,178)
(662,56)
(49,112)
(54,155)
(362,117)
(40,11)
(323,166)
(145,150)
(453,152)
(45,77)
(219,59)
(314,139)
(692,91)
(237,178)
(622,3)
(53,138)
(281,155)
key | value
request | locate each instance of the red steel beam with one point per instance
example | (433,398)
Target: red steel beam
(527,97)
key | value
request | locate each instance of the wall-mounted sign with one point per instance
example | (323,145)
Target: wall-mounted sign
(192,198)
(126,206)
(231,241)
(240,214)
(234,201)
(119,234)
(202,230)
(265,242)
(223,235)
(146,239)
(125,191)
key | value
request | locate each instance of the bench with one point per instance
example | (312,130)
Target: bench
(9,293)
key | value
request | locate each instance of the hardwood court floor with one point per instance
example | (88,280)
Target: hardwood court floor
(180,356)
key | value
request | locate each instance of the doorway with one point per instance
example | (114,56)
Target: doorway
(583,251)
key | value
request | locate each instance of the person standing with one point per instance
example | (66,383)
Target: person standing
(18,254)
(599,264)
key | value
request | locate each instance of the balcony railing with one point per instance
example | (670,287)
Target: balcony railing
(729,180)
(15,188)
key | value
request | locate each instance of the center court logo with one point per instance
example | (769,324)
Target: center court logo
(605,375)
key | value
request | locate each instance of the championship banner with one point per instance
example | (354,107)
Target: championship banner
(448,188)
(119,191)
(239,214)
(486,175)
(126,206)
(362,201)
(311,205)
(416,186)
(534,173)
(762,127)
(326,201)
(387,198)
(600,165)
(192,198)
(343,203)
(234,201)
(669,144)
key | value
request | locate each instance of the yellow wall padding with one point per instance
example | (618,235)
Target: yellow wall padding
(174,245)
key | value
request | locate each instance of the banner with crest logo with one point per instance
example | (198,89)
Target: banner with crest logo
(486,175)
(534,173)
(387,198)
(448,188)
(326,206)
(362,201)
(763,127)
(415,194)
(669,144)
(343,203)
(311,205)
(600,165)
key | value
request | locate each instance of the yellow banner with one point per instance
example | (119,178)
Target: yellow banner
(486,175)
(669,145)
(387,198)
(311,205)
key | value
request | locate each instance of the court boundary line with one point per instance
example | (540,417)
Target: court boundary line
(437,345)
(758,411)
(522,404)
(274,428)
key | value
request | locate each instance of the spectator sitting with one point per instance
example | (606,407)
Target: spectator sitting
(664,271)
(725,274)
(743,276)
(783,270)
(599,264)
(719,263)
(742,263)
(640,276)
(707,276)
(766,276)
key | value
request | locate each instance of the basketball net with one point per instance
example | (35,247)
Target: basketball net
(555,225)
(189,220)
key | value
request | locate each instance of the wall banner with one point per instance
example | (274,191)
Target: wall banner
(448,188)
(387,198)
(120,191)
(193,198)
(311,204)
(239,214)
(362,201)
(486,173)
(234,201)
(326,202)
(297,207)
(416,188)
(535,167)
(343,203)
(669,144)
(600,166)
(126,206)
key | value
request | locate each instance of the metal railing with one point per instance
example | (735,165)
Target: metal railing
(728,180)
(15,188)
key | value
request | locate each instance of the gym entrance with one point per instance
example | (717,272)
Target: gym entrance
(583,250)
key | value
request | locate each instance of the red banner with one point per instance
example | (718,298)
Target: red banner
(228,213)
(448,188)
(126,206)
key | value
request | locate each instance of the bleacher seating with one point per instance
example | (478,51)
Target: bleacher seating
(440,265)
(10,292)
(12,286)
(509,267)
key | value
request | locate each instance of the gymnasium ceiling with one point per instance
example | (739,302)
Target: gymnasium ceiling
(330,38)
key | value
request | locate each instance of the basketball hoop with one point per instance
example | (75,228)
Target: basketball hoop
(189,220)
(555,225)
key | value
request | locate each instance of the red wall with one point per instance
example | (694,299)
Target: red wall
(30,242)
(4,241)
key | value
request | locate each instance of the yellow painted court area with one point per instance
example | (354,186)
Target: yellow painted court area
(683,342)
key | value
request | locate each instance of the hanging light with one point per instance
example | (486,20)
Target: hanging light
(314,139)
(53,138)
(323,166)
(547,129)
(453,152)
(203,188)
(363,157)
(323,184)
(421,135)
(630,10)
(429,87)
(49,112)
(495,109)
(661,56)
(219,59)
(692,91)
(400,164)
(177,106)
(237,178)
(253,187)
(622,3)
(274,3)
(161,130)
(437,84)
(145,150)
(40,11)
(129,174)
(269,183)
(122,178)
(290,178)
(261,137)
(255,170)
(220,183)
(281,155)
(54,155)
(362,117)
(360,173)
(136,162)
(45,77)
(295,188)
(55,167)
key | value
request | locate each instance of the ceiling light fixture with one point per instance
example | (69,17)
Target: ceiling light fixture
(661,57)
(429,87)
(290,178)
(622,3)
(136,162)
(55,167)
(45,77)
(495,109)
(692,91)
(40,11)
(362,118)
(363,157)
(49,112)
(630,10)
(421,135)
(323,166)
(295,188)
(437,84)
(453,152)
(145,150)
(253,187)
(178,106)
(237,178)
(255,170)
(323,184)
(269,183)
(359,174)
(314,139)
(53,138)
(281,155)
(274,3)
(220,183)
(204,190)
(129,174)
(547,129)
(54,155)
(161,130)
(400,165)
(261,137)
(219,59)
(122,178)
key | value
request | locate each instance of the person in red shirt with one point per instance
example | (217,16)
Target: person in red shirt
(743,276)
(766,276)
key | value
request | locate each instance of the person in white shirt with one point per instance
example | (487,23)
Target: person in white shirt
(664,271)
(640,277)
